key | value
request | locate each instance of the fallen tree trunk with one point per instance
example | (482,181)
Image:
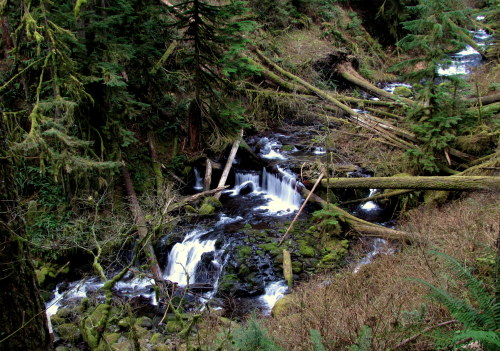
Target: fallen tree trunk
(419,183)
(485,100)
(378,196)
(229,163)
(350,74)
(358,225)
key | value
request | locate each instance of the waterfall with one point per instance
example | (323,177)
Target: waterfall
(273,292)
(198,185)
(185,256)
(379,247)
(281,191)
(370,205)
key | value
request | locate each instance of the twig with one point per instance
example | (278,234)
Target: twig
(406,341)
(301,208)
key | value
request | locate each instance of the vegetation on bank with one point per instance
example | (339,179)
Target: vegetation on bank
(98,94)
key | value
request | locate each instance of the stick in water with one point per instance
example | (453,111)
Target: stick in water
(301,208)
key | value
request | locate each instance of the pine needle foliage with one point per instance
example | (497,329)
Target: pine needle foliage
(254,337)
(478,310)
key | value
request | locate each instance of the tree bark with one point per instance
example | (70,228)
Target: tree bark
(423,183)
(229,163)
(156,164)
(23,320)
(208,175)
(485,100)
(142,228)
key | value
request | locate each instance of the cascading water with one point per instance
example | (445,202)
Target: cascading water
(370,205)
(198,181)
(185,257)
(378,247)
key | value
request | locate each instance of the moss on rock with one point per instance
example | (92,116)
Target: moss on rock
(69,332)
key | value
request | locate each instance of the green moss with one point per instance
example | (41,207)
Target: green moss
(213,201)
(403,91)
(69,332)
(271,248)
(305,250)
(244,270)
(283,305)
(243,252)
(206,210)
(144,322)
(174,327)
(157,338)
(288,148)
(112,338)
(297,267)
(247,226)
(227,283)
(190,209)
(56,320)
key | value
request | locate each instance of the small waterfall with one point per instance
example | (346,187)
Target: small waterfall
(379,247)
(370,205)
(273,292)
(185,256)
(198,185)
(281,191)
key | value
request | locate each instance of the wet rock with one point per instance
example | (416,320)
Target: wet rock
(247,189)
(283,305)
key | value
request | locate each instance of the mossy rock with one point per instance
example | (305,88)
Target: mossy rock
(212,201)
(162,348)
(247,226)
(69,332)
(297,267)
(227,283)
(48,273)
(61,348)
(112,338)
(206,210)
(271,248)
(283,305)
(124,323)
(403,92)
(156,339)
(288,148)
(243,252)
(174,327)
(56,320)
(190,209)
(144,322)
(305,250)
(243,270)
(92,320)
(125,345)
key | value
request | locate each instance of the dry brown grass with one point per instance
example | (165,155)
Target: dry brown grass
(380,295)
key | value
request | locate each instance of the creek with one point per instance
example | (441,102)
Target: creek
(231,261)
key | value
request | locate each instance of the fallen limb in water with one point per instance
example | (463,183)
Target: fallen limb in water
(421,183)
(349,73)
(378,196)
(358,225)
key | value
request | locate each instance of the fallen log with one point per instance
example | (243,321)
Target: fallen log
(378,197)
(484,100)
(418,183)
(349,73)
(358,225)
(229,162)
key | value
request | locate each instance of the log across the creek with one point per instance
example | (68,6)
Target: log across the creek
(421,183)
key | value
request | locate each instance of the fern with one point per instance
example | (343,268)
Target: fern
(254,338)
(316,340)
(364,341)
(478,312)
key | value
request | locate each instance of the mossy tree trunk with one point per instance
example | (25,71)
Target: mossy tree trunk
(422,183)
(23,321)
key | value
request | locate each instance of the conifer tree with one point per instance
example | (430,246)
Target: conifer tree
(214,36)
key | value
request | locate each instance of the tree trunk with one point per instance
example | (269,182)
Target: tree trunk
(23,320)
(423,183)
(358,225)
(378,196)
(156,164)
(485,100)
(142,228)
(350,74)
(208,175)
(229,163)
